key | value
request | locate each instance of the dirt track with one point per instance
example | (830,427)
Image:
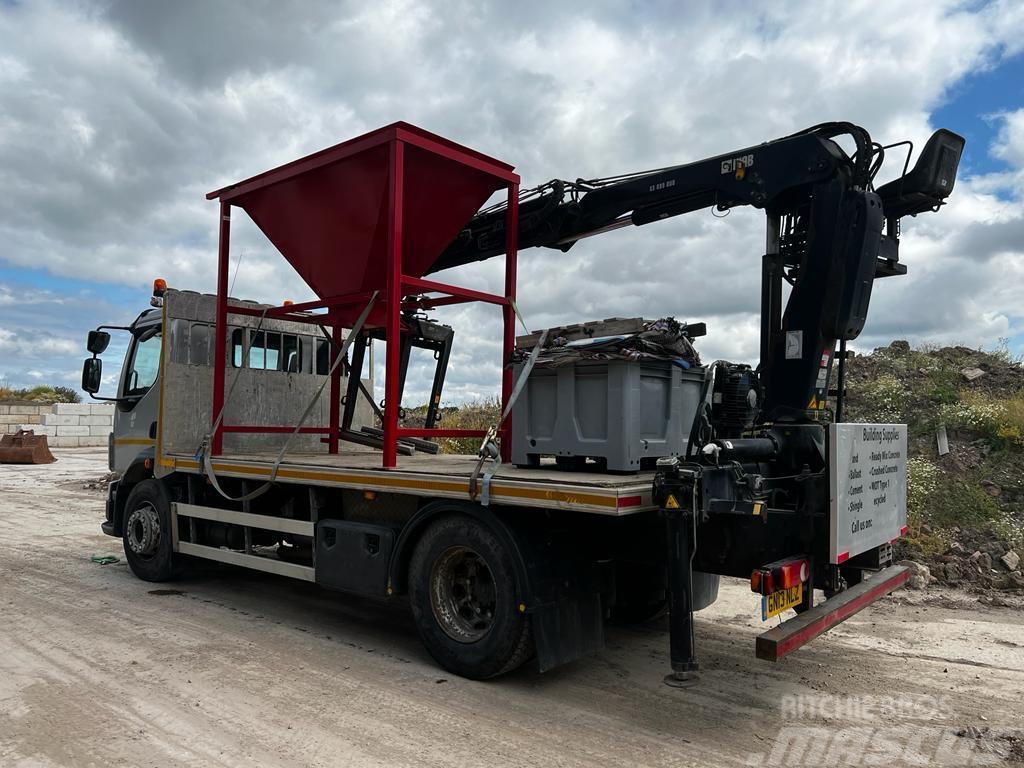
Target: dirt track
(241,669)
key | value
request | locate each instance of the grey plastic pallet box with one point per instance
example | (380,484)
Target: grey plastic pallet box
(625,414)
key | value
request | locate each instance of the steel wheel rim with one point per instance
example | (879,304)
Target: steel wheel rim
(142,530)
(463,595)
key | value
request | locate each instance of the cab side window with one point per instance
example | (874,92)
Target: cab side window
(268,351)
(145,366)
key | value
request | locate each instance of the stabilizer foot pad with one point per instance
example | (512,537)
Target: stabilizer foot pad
(682,679)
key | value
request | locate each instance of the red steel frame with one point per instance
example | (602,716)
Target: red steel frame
(398,284)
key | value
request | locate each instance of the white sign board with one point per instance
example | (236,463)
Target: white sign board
(868,466)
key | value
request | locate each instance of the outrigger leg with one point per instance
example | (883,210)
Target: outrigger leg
(676,500)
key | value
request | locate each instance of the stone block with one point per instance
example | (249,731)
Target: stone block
(40,429)
(71,430)
(99,431)
(30,409)
(60,420)
(77,409)
(64,442)
(102,408)
(95,421)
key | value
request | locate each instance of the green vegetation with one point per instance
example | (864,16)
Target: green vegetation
(43,395)
(480,414)
(999,419)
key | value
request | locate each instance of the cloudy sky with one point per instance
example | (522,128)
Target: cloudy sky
(117,117)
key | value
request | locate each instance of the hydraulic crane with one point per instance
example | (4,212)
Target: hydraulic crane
(759,448)
(829,234)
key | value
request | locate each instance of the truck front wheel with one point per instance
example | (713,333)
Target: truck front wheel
(147,532)
(462,588)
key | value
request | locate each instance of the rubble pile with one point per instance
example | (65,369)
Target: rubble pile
(964,411)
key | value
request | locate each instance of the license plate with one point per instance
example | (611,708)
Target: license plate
(782,600)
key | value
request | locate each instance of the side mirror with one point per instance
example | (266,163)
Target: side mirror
(92,371)
(98,341)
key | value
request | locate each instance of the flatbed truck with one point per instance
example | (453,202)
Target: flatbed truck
(530,562)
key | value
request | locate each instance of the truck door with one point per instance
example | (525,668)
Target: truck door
(138,406)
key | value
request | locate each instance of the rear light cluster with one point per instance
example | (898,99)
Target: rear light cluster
(781,574)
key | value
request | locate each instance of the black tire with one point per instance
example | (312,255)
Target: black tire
(147,532)
(463,639)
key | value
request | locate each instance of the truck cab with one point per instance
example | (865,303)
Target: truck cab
(281,357)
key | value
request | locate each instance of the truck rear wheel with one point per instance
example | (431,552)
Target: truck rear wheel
(462,588)
(147,532)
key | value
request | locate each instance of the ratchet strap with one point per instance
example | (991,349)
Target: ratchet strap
(488,448)
(204,449)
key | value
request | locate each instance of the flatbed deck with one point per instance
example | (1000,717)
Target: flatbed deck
(440,476)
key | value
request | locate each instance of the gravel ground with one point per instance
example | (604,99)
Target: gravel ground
(230,668)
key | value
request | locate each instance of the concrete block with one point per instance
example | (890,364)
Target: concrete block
(30,409)
(39,429)
(5,410)
(102,408)
(60,420)
(71,408)
(94,421)
(99,431)
(92,441)
(13,418)
(64,442)
(67,431)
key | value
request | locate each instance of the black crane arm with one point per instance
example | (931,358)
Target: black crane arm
(829,235)
(559,213)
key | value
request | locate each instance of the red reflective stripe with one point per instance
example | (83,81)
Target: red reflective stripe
(629,501)
(843,557)
(903,531)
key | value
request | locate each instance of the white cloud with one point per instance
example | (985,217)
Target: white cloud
(1010,144)
(116,118)
(13,344)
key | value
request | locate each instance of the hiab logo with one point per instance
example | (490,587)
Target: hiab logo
(743,161)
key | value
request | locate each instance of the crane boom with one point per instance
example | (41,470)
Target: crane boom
(829,233)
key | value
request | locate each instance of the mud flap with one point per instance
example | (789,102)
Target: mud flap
(567,629)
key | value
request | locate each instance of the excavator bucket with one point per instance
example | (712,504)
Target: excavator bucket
(25,447)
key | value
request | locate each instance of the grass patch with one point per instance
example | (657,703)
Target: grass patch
(44,395)
(940,505)
(998,420)
(480,414)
